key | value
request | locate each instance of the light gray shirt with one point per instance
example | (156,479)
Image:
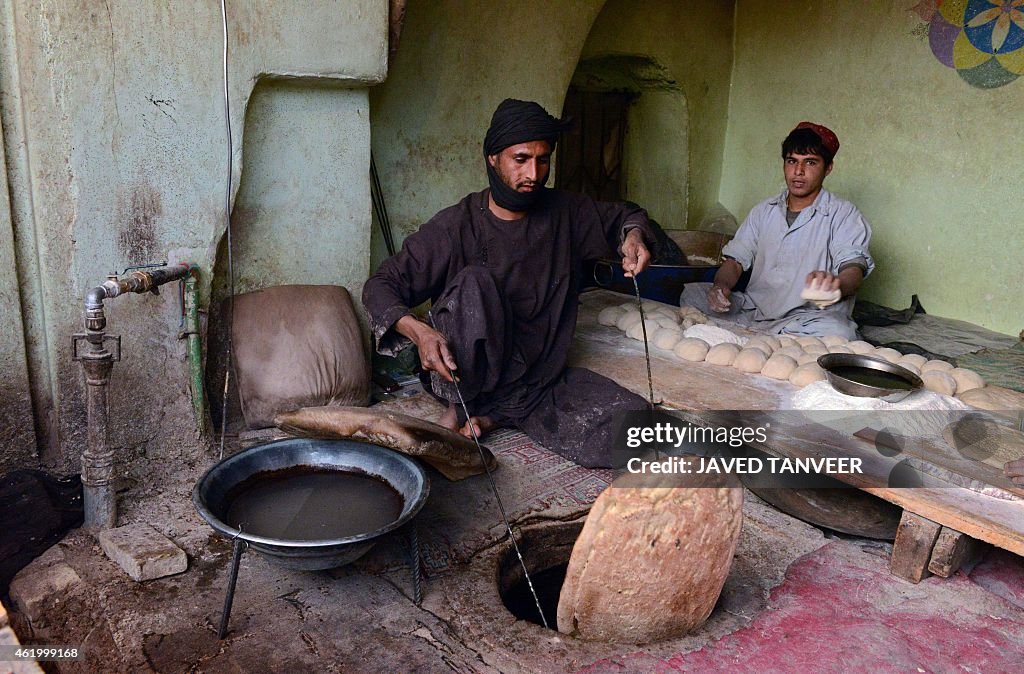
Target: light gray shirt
(827,235)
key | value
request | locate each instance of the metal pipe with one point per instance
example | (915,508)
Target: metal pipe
(99,497)
(195,353)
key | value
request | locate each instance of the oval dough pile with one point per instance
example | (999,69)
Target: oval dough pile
(939,382)
(966,380)
(722,354)
(691,349)
(750,361)
(936,365)
(779,367)
(891,355)
(667,338)
(805,374)
(610,315)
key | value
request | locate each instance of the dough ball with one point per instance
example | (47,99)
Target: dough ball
(858,346)
(786,340)
(760,346)
(805,358)
(936,365)
(664,322)
(891,355)
(771,341)
(816,349)
(636,331)
(692,313)
(687,323)
(667,338)
(833,340)
(692,349)
(610,315)
(914,359)
(911,367)
(938,381)
(793,352)
(966,380)
(750,361)
(779,367)
(805,374)
(628,319)
(808,341)
(839,348)
(722,354)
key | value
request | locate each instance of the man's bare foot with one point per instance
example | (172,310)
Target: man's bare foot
(450,418)
(482,425)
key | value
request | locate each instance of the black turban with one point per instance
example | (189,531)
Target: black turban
(517,122)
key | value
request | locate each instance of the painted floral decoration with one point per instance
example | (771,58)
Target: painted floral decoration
(983,40)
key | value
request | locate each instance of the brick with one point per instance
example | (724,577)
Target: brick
(35,590)
(143,552)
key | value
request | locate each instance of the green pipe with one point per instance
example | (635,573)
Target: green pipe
(195,351)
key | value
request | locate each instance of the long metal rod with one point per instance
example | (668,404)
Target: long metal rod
(229,598)
(647,349)
(227,230)
(494,488)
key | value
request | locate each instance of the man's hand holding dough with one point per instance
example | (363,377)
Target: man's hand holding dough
(822,288)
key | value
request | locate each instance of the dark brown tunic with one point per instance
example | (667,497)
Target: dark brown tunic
(525,318)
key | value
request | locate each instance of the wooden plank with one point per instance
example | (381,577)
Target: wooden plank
(912,550)
(696,389)
(952,550)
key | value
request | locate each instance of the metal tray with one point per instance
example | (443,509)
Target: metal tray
(831,362)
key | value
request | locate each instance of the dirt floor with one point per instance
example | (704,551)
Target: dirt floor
(797,598)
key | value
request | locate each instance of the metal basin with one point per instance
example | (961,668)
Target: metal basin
(869,377)
(213,493)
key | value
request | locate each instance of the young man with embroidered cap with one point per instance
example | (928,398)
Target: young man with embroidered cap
(805,242)
(502,269)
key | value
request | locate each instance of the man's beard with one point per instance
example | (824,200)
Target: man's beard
(509,198)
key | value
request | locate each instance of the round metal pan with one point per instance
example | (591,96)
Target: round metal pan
(833,363)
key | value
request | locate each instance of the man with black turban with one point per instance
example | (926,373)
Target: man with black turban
(502,269)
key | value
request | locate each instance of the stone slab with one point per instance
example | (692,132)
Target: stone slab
(143,552)
(35,590)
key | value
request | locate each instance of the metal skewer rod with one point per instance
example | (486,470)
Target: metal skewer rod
(494,487)
(647,349)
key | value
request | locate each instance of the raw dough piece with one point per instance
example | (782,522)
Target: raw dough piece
(713,335)
(891,355)
(936,365)
(806,374)
(628,319)
(651,559)
(610,315)
(760,346)
(808,341)
(786,340)
(914,359)
(667,338)
(833,340)
(693,313)
(805,358)
(822,298)
(636,331)
(995,399)
(779,367)
(911,367)
(792,351)
(816,349)
(722,354)
(938,381)
(839,348)
(750,361)
(859,346)
(665,322)
(966,380)
(774,343)
(691,349)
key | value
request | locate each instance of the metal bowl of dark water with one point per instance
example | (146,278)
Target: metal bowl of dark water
(869,377)
(311,504)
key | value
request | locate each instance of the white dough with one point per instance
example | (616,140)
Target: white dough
(822,298)
(713,335)
(779,367)
(792,351)
(937,365)
(816,349)
(839,348)
(806,374)
(914,359)
(786,340)
(667,338)
(891,355)
(760,346)
(691,349)
(858,346)
(722,354)
(807,340)
(665,322)
(610,315)
(938,381)
(693,313)
(628,319)
(805,358)
(966,380)
(833,340)
(636,331)
(910,366)
(750,361)
(771,341)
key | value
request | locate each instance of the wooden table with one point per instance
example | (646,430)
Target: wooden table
(991,509)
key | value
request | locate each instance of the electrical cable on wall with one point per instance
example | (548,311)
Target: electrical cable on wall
(227,225)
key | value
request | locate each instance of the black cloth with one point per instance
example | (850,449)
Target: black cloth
(869,313)
(515,122)
(505,295)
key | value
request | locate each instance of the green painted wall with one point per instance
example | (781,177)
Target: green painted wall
(693,42)
(933,162)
